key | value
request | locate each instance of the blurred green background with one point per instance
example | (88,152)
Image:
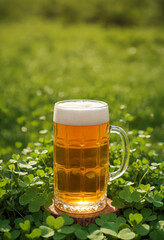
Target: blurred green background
(106,12)
(53,50)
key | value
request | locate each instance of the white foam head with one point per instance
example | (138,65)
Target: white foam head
(81,112)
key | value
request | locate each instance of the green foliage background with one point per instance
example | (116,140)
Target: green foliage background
(106,12)
(45,58)
(43,62)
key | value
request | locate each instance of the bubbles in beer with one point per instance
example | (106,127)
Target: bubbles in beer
(81,155)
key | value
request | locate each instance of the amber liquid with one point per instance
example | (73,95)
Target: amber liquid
(81,159)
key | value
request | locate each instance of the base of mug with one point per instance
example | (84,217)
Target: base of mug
(81,208)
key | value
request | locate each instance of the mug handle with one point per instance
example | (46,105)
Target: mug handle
(125,153)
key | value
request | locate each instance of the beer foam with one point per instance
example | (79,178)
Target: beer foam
(81,112)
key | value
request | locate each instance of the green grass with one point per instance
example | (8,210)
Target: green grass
(43,62)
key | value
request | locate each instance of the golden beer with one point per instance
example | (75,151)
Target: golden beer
(81,155)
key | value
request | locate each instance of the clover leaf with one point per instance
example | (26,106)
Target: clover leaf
(2,192)
(145,188)
(108,217)
(30,197)
(156,199)
(25,226)
(50,220)
(4,225)
(135,219)
(118,203)
(81,234)
(36,203)
(17,221)
(126,234)
(67,219)
(15,234)
(97,234)
(142,229)
(36,233)
(110,228)
(46,232)
(147,214)
(99,221)
(28,179)
(154,235)
(48,200)
(92,227)
(123,225)
(129,194)
(77,226)
(7,236)
(67,230)
(55,223)
(58,223)
(120,220)
(59,236)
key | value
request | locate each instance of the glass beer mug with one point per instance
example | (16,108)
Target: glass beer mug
(81,155)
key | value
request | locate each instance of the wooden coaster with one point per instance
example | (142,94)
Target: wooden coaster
(83,219)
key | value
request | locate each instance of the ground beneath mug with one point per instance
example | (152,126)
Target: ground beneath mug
(83,219)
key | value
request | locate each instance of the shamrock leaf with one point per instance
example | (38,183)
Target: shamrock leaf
(135,196)
(120,220)
(126,194)
(147,214)
(129,194)
(142,229)
(46,232)
(156,199)
(25,226)
(15,234)
(30,197)
(126,234)
(154,235)
(92,227)
(67,230)
(40,173)
(135,219)
(48,200)
(144,188)
(17,221)
(67,219)
(28,179)
(22,184)
(50,220)
(110,228)
(7,236)
(24,164)
(108,217)
(36,203)
(118,203)
(58,223)
(4,226)
(81,234)
(123,225)
(77,227)
(99,221)
(59,236)
(55,223)
(97,234)
(159,225)
(36,233)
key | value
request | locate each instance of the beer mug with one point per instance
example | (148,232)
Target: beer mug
(81,155)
